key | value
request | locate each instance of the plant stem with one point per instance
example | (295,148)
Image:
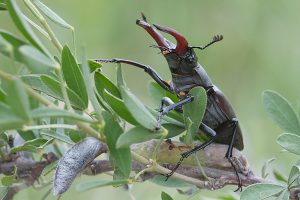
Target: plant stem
(48,126)
(162,170)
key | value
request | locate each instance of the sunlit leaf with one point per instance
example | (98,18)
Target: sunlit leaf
(136,135)
(134,105)
(32,145)
(281,112)
(90,87)
(172,182)
(290,142)
(279,176)
(41,30)
(194,111)
(17,98)
(294,174)
(51,14)
(261,191)
(73,75)
(57,135)
(121,158)
(119,107)
(19,20)
(36,61)
(99,183)
(103,83)
(56,112)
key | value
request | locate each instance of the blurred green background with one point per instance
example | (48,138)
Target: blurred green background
(260,50)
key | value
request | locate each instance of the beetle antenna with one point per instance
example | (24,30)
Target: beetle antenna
(215,39)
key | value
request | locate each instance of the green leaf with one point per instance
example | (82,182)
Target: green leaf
(290,142)
(264,174)
(27,135)
(121,158)
(51,14)
(3,139)
(15,42)
(294,174)
(173,130)
(194,111)
(49,168)
(3,6)
(76,136)
(90,87)
(42,31)
(2,95)
(56,112)
(17,99)
(119,107)
(165,196)
(172,182)
(18,18)
(73,75)
(10,179)
(5,47)
(94,65)
(157,93)
(281,112)
(284,195)
(53,89)
(32,145)
(3,191)
(260,191)
(103,83)
(57,135)
(8,119)
(279,176)
(166,119)
(135,106)
(36,61)
(137,134)
(99,183)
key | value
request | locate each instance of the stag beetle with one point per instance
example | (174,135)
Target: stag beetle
(219,121)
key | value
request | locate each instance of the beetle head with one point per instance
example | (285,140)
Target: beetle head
(180,57)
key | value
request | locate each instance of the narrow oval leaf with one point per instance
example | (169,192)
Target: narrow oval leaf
(32,145)
(9,179)
(36,61)
(260,191)
(74,161)
(56,112)
(157,93)
(42,31)
(17,98)
(5,47)
(53,89)
(100,183)
(52,15)
(194,110)
(73,75)
(8,119)
(119,107)
(103,83)
(165,196)
(57,135)
(264,173)
(137,134)
(172,182)
(294,174)
(279,176)
(284,195)
(281,112)
(22,25)
(90,87)
(121,158)
(15,42)
(138,110)
(290,142)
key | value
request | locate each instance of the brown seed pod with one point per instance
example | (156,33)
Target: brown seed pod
(74,161)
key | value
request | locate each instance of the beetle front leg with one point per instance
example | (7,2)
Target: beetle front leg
(171,106)
(146,68)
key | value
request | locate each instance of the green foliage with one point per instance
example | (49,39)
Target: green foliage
(165,196)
